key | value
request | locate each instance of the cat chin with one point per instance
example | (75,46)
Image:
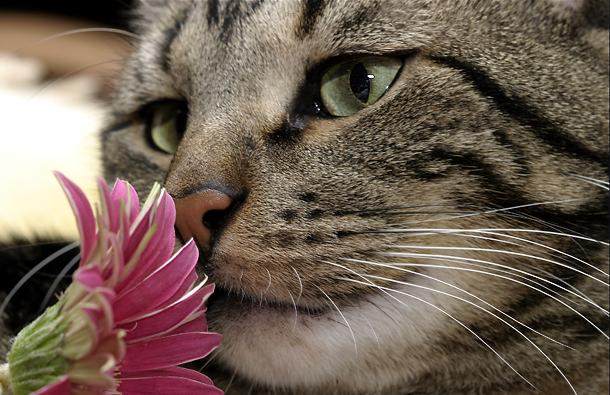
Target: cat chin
(275,347)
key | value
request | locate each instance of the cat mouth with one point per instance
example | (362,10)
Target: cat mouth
(253,303)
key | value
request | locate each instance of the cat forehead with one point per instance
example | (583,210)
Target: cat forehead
(191,44)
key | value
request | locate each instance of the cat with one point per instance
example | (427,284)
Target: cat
(392,197)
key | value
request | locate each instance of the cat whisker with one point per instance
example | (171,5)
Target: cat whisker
(32,272)
(209,359)
(528,242)
(465,260)
(506,252)
(58,279)
(469,294)
(300,283)
(296,310)
(474,304)
(18,246)
(373,331)
(532,267)
(511,230)
(72,32)
(231,380)
(500,210)
(268,285)
(349,327)
(397,266)
(598,183)
(71,74)
(386,291)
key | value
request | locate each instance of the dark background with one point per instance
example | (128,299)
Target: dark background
(104,12)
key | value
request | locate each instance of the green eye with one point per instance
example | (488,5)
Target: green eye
(350,86)
(166,125)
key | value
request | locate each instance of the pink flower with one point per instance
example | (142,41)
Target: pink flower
(133,313)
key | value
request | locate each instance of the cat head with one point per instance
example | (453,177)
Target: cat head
(352,172)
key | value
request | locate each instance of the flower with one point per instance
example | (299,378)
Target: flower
(133,312)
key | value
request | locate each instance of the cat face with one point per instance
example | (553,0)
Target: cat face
(401,178)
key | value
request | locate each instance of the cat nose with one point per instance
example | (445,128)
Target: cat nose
(201,215)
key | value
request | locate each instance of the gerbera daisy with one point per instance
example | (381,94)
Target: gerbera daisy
(133,313)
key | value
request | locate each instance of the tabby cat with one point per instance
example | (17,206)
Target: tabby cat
(392,196)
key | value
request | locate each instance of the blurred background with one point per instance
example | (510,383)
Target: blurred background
(58,60)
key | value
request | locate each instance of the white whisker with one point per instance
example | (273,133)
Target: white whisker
(296,311)
(55,284)
(32,272)
(474,296)
(399,265)
(86,30)
(342,316)
(532,267)
(372,331)
(463,259)
(505,252)
(385,290)
(529,242)
(300,283)
(499,210)
(474,304)
(598,183)
(515,230)
(268,285)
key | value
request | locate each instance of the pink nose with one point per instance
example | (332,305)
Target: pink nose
(200,214)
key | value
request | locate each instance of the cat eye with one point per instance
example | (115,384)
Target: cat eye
(166,123)
(354,84)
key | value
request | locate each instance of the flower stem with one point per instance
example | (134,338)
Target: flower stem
(5,380)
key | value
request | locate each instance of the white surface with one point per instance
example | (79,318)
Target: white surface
(43,127)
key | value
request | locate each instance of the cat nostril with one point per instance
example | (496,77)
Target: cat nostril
(202,215)
(215,219)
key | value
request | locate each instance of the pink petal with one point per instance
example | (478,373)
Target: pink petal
(185,287)
(196,323)
(158,287)
(123,193)
(175,371)
(58,387)
(134,202)
(89,276)
(84,216)
(161,245)
(166,386)
(169,351)
(170,317)
(111,208)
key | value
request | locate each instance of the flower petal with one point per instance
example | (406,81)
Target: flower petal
(175,371)
(160,246)
(166,386)
(170,317)
(111,208)
(89,276)
(157,287)
(58,387)
(169,351)
(185,287)
(195,323)
(96,370)
(84,216)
